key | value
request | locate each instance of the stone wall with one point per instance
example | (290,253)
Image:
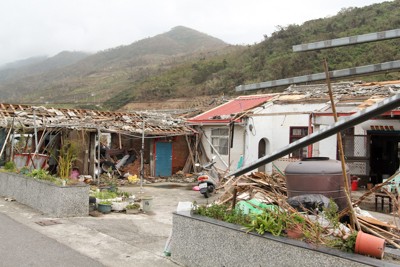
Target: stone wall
(202,241)
(53,200)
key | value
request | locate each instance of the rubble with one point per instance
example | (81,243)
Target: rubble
(126,123)
(345,89)
(271,189)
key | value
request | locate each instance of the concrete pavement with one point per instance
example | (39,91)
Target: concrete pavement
(21,246)
(115,239)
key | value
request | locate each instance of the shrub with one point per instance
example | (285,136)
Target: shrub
(9,166)
(222,213)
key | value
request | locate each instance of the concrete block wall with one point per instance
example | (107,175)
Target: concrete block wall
(202,241)
(53,200)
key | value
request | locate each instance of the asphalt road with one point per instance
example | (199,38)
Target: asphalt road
(23,246)
(114,239)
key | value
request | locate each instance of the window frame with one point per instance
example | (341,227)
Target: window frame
(220,140)
(302,152)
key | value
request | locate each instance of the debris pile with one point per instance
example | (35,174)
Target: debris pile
(346,89)
(129,123)
(268,187)
(260,190)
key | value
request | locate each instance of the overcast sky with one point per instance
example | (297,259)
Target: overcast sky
(46,27)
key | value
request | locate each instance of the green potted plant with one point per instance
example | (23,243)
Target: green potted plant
(104,206)
(133,208)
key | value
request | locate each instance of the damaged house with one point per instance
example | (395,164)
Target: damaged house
(28,130)
(249,127)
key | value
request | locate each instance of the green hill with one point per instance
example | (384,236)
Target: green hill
(273,58)
(184,63)
(104,74)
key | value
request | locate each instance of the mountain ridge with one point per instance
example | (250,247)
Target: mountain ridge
(147,53)
(147,71)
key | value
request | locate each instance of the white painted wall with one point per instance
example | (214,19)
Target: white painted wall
(273,123)
(235,152)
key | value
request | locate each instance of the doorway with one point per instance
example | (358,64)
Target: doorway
(163,160)
(384,158)
(263,149)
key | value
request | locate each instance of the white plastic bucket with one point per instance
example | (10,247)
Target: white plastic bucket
(147,203)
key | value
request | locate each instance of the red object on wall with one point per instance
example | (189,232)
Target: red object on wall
(354,185)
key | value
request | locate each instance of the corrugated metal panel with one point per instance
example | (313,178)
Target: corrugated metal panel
(238,105)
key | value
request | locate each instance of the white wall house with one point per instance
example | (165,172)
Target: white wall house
(278,123)
(250,127)
(224,130)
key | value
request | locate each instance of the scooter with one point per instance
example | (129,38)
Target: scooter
(208,178)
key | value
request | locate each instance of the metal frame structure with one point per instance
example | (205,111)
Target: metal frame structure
(355,39)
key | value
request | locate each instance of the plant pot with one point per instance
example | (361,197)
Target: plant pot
(119,206)
(369,245)
(132,211)
(104,208)
(295,231)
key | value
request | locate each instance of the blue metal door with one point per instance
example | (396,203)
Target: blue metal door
(163,159)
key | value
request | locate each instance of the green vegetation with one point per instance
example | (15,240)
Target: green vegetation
(133,206)
(222,213)
(347,245)
(104,195)
(331,213)
(273,58)
(278,222)
(272,222)
(186,63)
(68,154)
(105,202)
(41,175)
(9,166)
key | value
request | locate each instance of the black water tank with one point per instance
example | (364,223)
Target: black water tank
(318,175)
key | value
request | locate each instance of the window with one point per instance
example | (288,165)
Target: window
(219,139)
(297,133)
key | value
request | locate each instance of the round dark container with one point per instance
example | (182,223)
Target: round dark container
(318,175)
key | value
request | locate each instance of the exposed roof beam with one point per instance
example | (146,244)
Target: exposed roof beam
(357,71)
(356,39)
(344,123)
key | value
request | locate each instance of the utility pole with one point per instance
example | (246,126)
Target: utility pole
(141,158)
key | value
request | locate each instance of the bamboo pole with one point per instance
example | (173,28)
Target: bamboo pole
(373,190)
(353,216)
(367,229)
(380,229)
(215,150)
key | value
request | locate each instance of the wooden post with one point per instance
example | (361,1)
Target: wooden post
(353,217)
(190,152)
(92,152)
(234,198)
(5,142)
(98,157)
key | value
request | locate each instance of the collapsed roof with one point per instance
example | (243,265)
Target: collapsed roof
(351,97)
(91,120)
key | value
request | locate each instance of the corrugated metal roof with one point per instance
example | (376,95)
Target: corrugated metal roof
(225,112)
(121,122)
